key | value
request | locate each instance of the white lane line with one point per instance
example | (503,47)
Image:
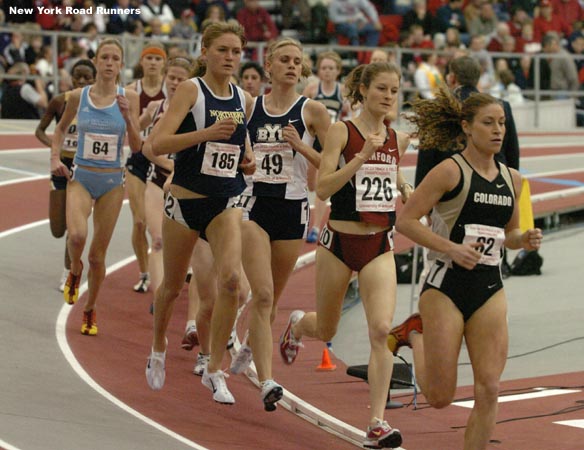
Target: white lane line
(24,180)
(539,393)
(554,173)
(572,423)
(19,151)
(21,172)
(61,333)
(28,226)
(6,446)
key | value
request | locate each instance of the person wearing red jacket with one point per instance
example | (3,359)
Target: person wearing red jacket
(549,20)
(257,22)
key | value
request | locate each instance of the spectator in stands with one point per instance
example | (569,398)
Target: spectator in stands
(527,42)
(252,78)
(511,92)
(564,76)
(156,30)
(419,15)
(44,63)
(34,49)
(157,9)
(120,22)
(453,39)
(356,19)
(20,100)
(513,62)
(577,48)
(451,16)
(257,22)
(472,10)
(544,75)
(202,10)
(186,27)
(568,10)
(287,8)
(427,77)
(485,23)
(379,55)
(518,18)
(15,51)
(548,21)
(90,41)
(477,46)
(502,31)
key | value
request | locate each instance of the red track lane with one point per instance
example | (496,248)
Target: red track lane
(24,203)
(116,360)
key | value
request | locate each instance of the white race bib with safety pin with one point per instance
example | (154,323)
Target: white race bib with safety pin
(274,162)
(100,147)
(376,184)
(492,239)
(220,160)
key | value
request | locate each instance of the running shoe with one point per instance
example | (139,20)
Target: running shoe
(312,237)
(64,277)
(71,289)
(215,382)
(272,392)
(143,284)
(289,345)
(155,370)
(190,338)
(201,364)
(381,435)
(242,360)
(231,340)
(400,335)
(89,325)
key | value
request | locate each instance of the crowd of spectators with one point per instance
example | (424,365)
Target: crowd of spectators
(430,31)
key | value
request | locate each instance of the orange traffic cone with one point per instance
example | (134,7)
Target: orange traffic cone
(326,364)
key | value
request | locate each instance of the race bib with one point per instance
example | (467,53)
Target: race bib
(492,239)
(100,147)
(220,160)
(375,187)
(274,163)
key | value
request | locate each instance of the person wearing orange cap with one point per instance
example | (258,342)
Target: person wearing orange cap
(150,88)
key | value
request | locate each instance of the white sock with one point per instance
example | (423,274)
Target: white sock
(191,323)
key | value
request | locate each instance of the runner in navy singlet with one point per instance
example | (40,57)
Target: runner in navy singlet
(474,198)
(282,128)
(206,127)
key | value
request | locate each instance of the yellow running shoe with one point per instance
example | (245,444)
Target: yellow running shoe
(71,290)
(89,326)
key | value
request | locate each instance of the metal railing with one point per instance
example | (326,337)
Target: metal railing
(257,49)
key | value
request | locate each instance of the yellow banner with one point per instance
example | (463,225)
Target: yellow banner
(526,221)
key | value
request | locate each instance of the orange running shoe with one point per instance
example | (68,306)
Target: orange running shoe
(89,326)
(71,290)
(400,335)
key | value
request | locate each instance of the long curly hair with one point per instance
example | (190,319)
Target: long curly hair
(439,121)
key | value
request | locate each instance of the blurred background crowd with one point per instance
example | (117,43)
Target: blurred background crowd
(524,46)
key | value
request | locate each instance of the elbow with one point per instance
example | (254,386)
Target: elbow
(399,225)
(322,193)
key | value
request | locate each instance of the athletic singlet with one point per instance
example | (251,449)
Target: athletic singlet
(101,132)
(160,109)
(70,143)
(211,168)
(477,210)
(280,170)
(371,193)
(145,99)
(332,102)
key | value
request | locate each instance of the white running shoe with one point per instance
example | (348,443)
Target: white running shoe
(155,370)
(142,285)
(63,280)
(231,340)
(242,360)
(201,364)
(215,382)
(289,345)
(271,393)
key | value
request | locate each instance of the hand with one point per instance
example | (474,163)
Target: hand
(531,239)
(466,255)
(372,143)
(124,105)
(290,135)
(221,130)
(59,169)
(248,165)
(407,191)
